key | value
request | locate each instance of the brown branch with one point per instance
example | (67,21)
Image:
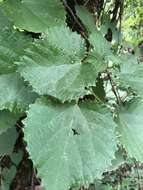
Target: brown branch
(74,17)
(119,101)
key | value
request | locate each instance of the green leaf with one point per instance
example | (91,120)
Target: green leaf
(54,67)
(9,172)
(130,129)
(107,24)
(7,141)
(7,120)
(66,42)
(12,45)
(75,143)
(16,157)
(87,18)
(65,81)
(99,90)
(4,22)
(101,46)
(120,159)
(14,93)
(99,185)
(131,74)
(35,15)
(8,175)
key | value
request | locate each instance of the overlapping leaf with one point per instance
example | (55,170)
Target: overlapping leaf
(131,74)
(14,93)
(87,18)
(130,128)
(75,143)
(99,90)
(12,44)
(53,67)
(35,15)
(7,120)
(10,172)
(4,21)
(7,141)
(8,134)
(66,42)
(101,47)
(8,175)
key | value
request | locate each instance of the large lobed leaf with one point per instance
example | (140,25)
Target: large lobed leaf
(53,66)
(101,47)
(35,15)
(15,95)
(131,74)
(12,44)
(75,143)
(66,42)
(130,128)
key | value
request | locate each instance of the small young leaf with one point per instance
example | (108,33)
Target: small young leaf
(7,141)
(99,90)
(8,175)
(7,120)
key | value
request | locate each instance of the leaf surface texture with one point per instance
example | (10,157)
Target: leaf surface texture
(75,143)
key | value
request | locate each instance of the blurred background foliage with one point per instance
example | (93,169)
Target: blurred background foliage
(132,24)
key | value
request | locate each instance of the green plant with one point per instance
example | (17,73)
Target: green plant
(79,95)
